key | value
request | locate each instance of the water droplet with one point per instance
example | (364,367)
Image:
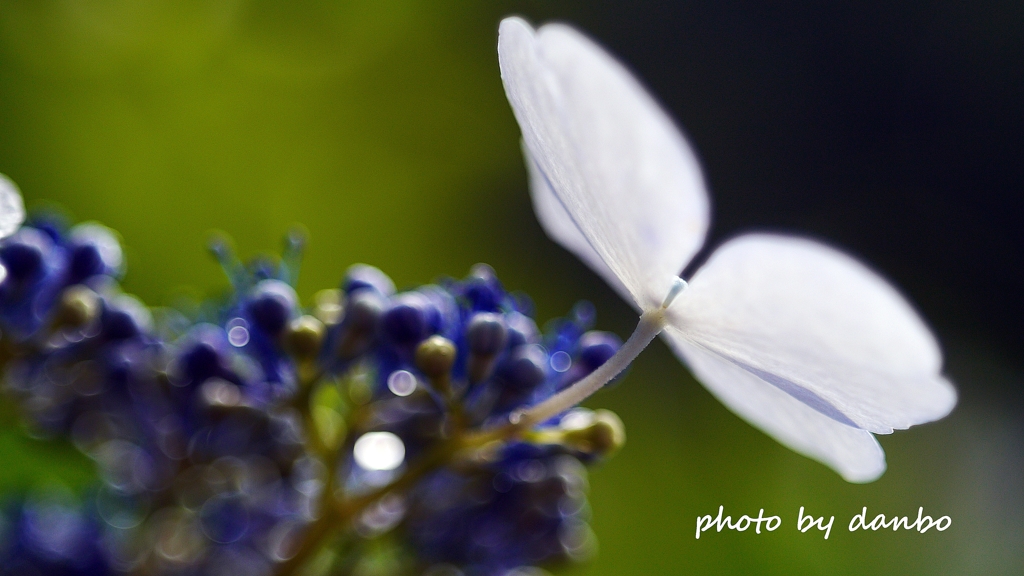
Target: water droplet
(402,383)
(560,361)
(379,451)
(238,336)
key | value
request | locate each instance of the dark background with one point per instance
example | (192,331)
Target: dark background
(892,130)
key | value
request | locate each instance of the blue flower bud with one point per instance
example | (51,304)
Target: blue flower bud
(521,330)
(52,224)
(407,321)
(204,440)
(526,367)
(24,254)
(205,353)
(124,317)
(443,313)
(360,276)
(271,305)
(565,336)
(482,289)
(486,335)
(93,250)
(359,323)
(595,348)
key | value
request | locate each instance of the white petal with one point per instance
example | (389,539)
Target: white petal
(619,166)
(852,452)
(814,323)
(559,226)
(12,210)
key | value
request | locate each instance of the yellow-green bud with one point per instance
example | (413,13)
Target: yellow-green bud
(601,433)
(328,308)
(304,336)
(77,307)
(435,356)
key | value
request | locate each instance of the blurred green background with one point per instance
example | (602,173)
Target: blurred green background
(382,128)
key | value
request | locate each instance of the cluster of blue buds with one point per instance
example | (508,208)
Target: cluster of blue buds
(256,436)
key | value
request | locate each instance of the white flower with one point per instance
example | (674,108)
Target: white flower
(797,338)
(12,211)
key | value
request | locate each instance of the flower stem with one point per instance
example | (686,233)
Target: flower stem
(650,325)
(341,514)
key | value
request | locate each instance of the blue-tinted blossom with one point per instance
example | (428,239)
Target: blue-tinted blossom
(223,439)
